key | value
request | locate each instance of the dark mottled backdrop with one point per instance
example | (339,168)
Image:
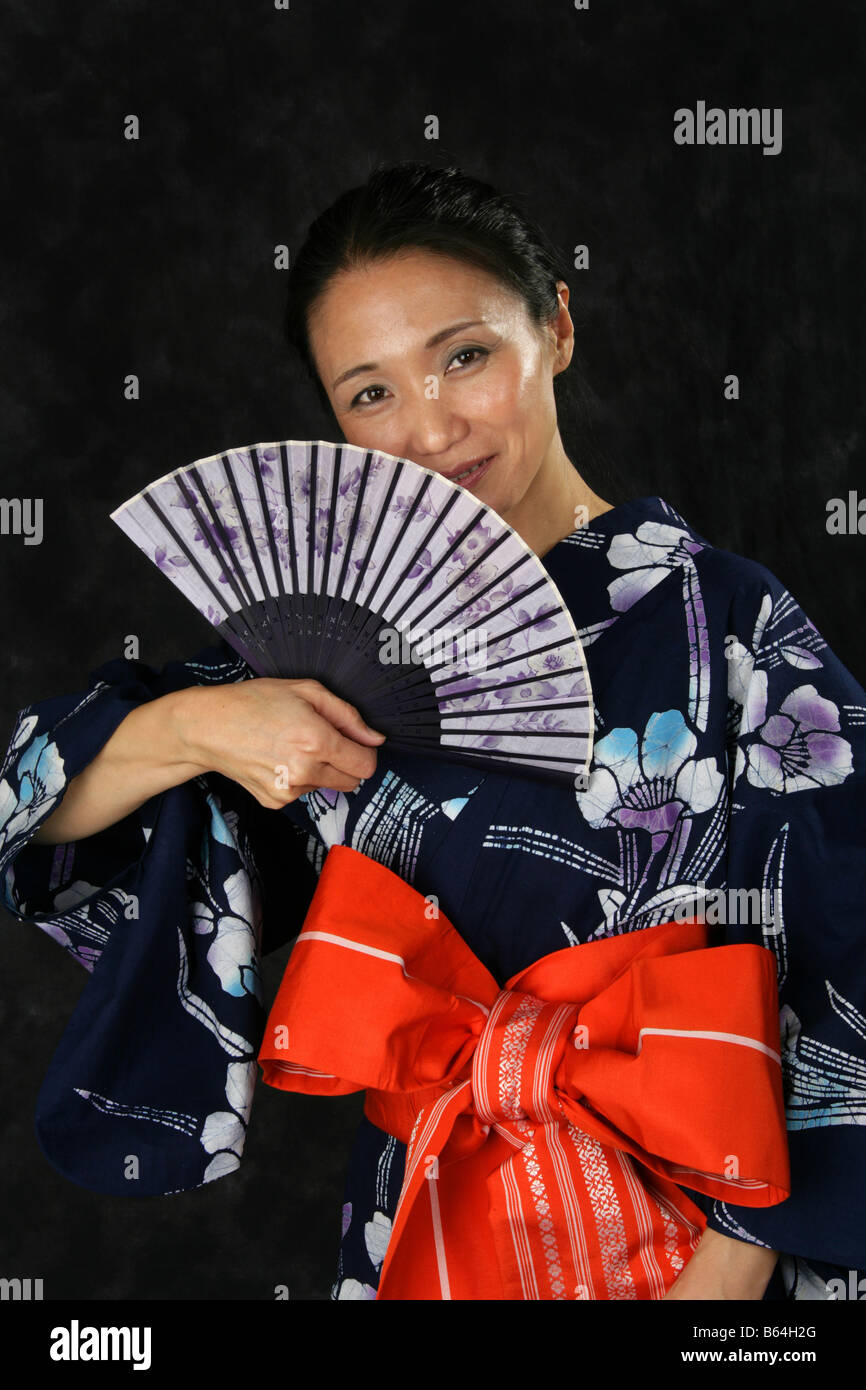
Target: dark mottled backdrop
(156,257)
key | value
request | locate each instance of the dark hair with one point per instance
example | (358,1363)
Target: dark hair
(443,210)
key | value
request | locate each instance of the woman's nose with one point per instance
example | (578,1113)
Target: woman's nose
(431,428)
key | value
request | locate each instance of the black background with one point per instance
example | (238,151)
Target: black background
(156,257)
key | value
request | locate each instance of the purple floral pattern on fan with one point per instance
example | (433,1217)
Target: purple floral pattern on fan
(261,537)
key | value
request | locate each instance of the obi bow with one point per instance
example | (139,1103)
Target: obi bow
(549,1123)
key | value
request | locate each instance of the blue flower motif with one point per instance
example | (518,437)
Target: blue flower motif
(35,785)
(650,788)
(233,954)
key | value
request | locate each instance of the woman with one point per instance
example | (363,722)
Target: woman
(729,758)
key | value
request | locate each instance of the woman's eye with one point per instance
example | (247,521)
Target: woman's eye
(357,399)
(464,351)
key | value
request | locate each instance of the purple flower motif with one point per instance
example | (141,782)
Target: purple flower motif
(424,562)
(543,691)
(478,539)
(459,687)
(551,662)
(166,562)
(650,553)
(535,691)
(489,741)
(217,535)
(350,483)
(426,510)
(377,1233)
(539,624)
(799,747)
(468,586)
(354,1289)
(473,612)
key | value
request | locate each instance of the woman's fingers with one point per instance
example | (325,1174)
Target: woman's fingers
(342,716)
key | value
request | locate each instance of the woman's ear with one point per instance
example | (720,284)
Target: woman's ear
(562,329)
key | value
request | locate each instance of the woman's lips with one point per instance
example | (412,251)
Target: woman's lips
(470,480)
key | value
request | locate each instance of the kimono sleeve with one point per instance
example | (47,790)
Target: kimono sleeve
(797,838)
(151,1086)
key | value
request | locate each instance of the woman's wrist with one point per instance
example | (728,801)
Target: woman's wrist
(190,714)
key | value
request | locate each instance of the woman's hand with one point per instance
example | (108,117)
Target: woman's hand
(278,738)
(722,1268)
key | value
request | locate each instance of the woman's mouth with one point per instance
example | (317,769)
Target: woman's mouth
(472,475)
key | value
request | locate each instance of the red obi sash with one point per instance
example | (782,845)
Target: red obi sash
(550,1122)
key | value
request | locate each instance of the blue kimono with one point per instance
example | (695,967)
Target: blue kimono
(728,776)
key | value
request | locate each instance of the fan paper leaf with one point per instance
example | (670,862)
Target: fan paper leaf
(394,587)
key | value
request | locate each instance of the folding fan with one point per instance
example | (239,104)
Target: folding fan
(394,587)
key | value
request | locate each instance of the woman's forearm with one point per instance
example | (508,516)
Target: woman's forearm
(723,1268)
(145,755)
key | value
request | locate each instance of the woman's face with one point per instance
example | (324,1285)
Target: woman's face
(434,360)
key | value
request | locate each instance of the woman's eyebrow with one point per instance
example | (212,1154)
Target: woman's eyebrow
(431,342)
